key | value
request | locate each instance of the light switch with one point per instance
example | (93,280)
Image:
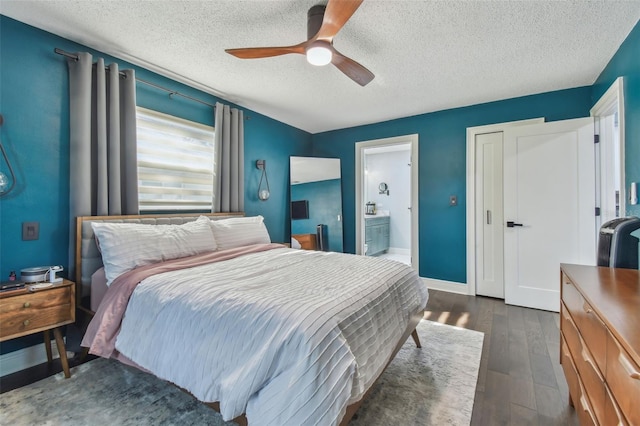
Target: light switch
(30,231)
(453,200)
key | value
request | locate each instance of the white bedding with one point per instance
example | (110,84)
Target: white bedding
(271,334)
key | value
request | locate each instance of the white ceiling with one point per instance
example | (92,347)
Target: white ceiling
(426,55)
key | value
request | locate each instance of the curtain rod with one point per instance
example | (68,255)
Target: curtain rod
(171,92)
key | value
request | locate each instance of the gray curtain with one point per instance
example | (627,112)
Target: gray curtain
(229,160)
(103,173)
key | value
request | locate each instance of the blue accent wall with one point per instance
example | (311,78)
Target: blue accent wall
(442,168)
(324,208)
(35,104)
(626,63)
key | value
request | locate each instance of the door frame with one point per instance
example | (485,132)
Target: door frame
(612,99)
(360,147)
(471,191)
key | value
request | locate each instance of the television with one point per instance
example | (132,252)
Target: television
(300,209)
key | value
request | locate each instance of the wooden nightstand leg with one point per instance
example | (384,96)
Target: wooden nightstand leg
(416,339)
(62,351)
(47,345)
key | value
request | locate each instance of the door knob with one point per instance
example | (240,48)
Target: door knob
(511,224)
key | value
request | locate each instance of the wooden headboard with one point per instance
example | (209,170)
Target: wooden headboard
(88,258)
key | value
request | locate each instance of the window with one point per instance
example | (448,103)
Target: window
(175,163)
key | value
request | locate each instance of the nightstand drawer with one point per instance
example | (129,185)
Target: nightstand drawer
(27,321)
(34,301)
(24,313)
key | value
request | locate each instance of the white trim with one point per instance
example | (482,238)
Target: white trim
(448,286)
(471,192)
(612,98)
(26,357)
(415,225)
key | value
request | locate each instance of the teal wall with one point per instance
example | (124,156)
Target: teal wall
(324,207)
(35,103)
(626,63)
(442,168)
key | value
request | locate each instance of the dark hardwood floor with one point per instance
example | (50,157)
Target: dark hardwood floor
(520,381)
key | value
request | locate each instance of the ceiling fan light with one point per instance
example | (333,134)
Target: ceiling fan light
(319,55)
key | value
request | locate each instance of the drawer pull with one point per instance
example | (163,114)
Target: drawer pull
(585,405)
(587,358)
(26,322)
(626,364)
(27,304)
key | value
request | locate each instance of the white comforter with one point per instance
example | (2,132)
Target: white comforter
(289,337)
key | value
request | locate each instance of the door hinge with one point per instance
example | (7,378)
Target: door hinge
(597,211)
(596,138)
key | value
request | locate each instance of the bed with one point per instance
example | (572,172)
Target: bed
(263,333)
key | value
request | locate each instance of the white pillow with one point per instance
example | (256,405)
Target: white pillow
(126,246)
(239,231)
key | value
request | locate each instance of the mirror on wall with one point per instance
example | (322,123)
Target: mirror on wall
(316,203)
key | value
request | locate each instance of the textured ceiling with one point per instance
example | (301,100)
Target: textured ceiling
(426,55)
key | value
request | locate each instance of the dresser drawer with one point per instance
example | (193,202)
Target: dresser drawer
(583,361)
(570,372)
(623,377)
(592,329)
(572,298)
(612,414)
(576,389)
(569,330)
(594,333)
(584,410)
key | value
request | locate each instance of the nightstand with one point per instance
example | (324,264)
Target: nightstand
(23,312)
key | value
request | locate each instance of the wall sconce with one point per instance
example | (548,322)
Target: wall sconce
(263,193)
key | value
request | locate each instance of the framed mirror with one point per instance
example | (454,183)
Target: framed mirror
(316,203)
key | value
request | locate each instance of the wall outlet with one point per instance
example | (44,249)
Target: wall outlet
(30,231)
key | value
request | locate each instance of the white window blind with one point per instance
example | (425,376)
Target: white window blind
(175,163)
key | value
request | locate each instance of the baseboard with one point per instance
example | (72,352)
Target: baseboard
(401,251)
(448,286)
(26,357)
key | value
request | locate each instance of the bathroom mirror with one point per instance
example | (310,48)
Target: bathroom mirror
(316,203)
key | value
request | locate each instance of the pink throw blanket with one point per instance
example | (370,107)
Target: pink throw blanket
(103,329)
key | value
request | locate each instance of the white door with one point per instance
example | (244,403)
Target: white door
(489,219)
(549,208)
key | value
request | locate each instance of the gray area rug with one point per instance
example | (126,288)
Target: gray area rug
(434,385)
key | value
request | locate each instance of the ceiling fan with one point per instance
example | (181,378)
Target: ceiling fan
(323,23)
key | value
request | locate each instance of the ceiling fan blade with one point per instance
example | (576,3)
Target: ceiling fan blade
(352,69)
(266,52)
(336,15)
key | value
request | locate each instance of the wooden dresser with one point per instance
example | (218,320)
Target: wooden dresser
(600,343)
(23,312)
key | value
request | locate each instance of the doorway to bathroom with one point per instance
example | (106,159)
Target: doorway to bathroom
(387,198)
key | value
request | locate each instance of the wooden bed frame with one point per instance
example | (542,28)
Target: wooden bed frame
(90,250)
